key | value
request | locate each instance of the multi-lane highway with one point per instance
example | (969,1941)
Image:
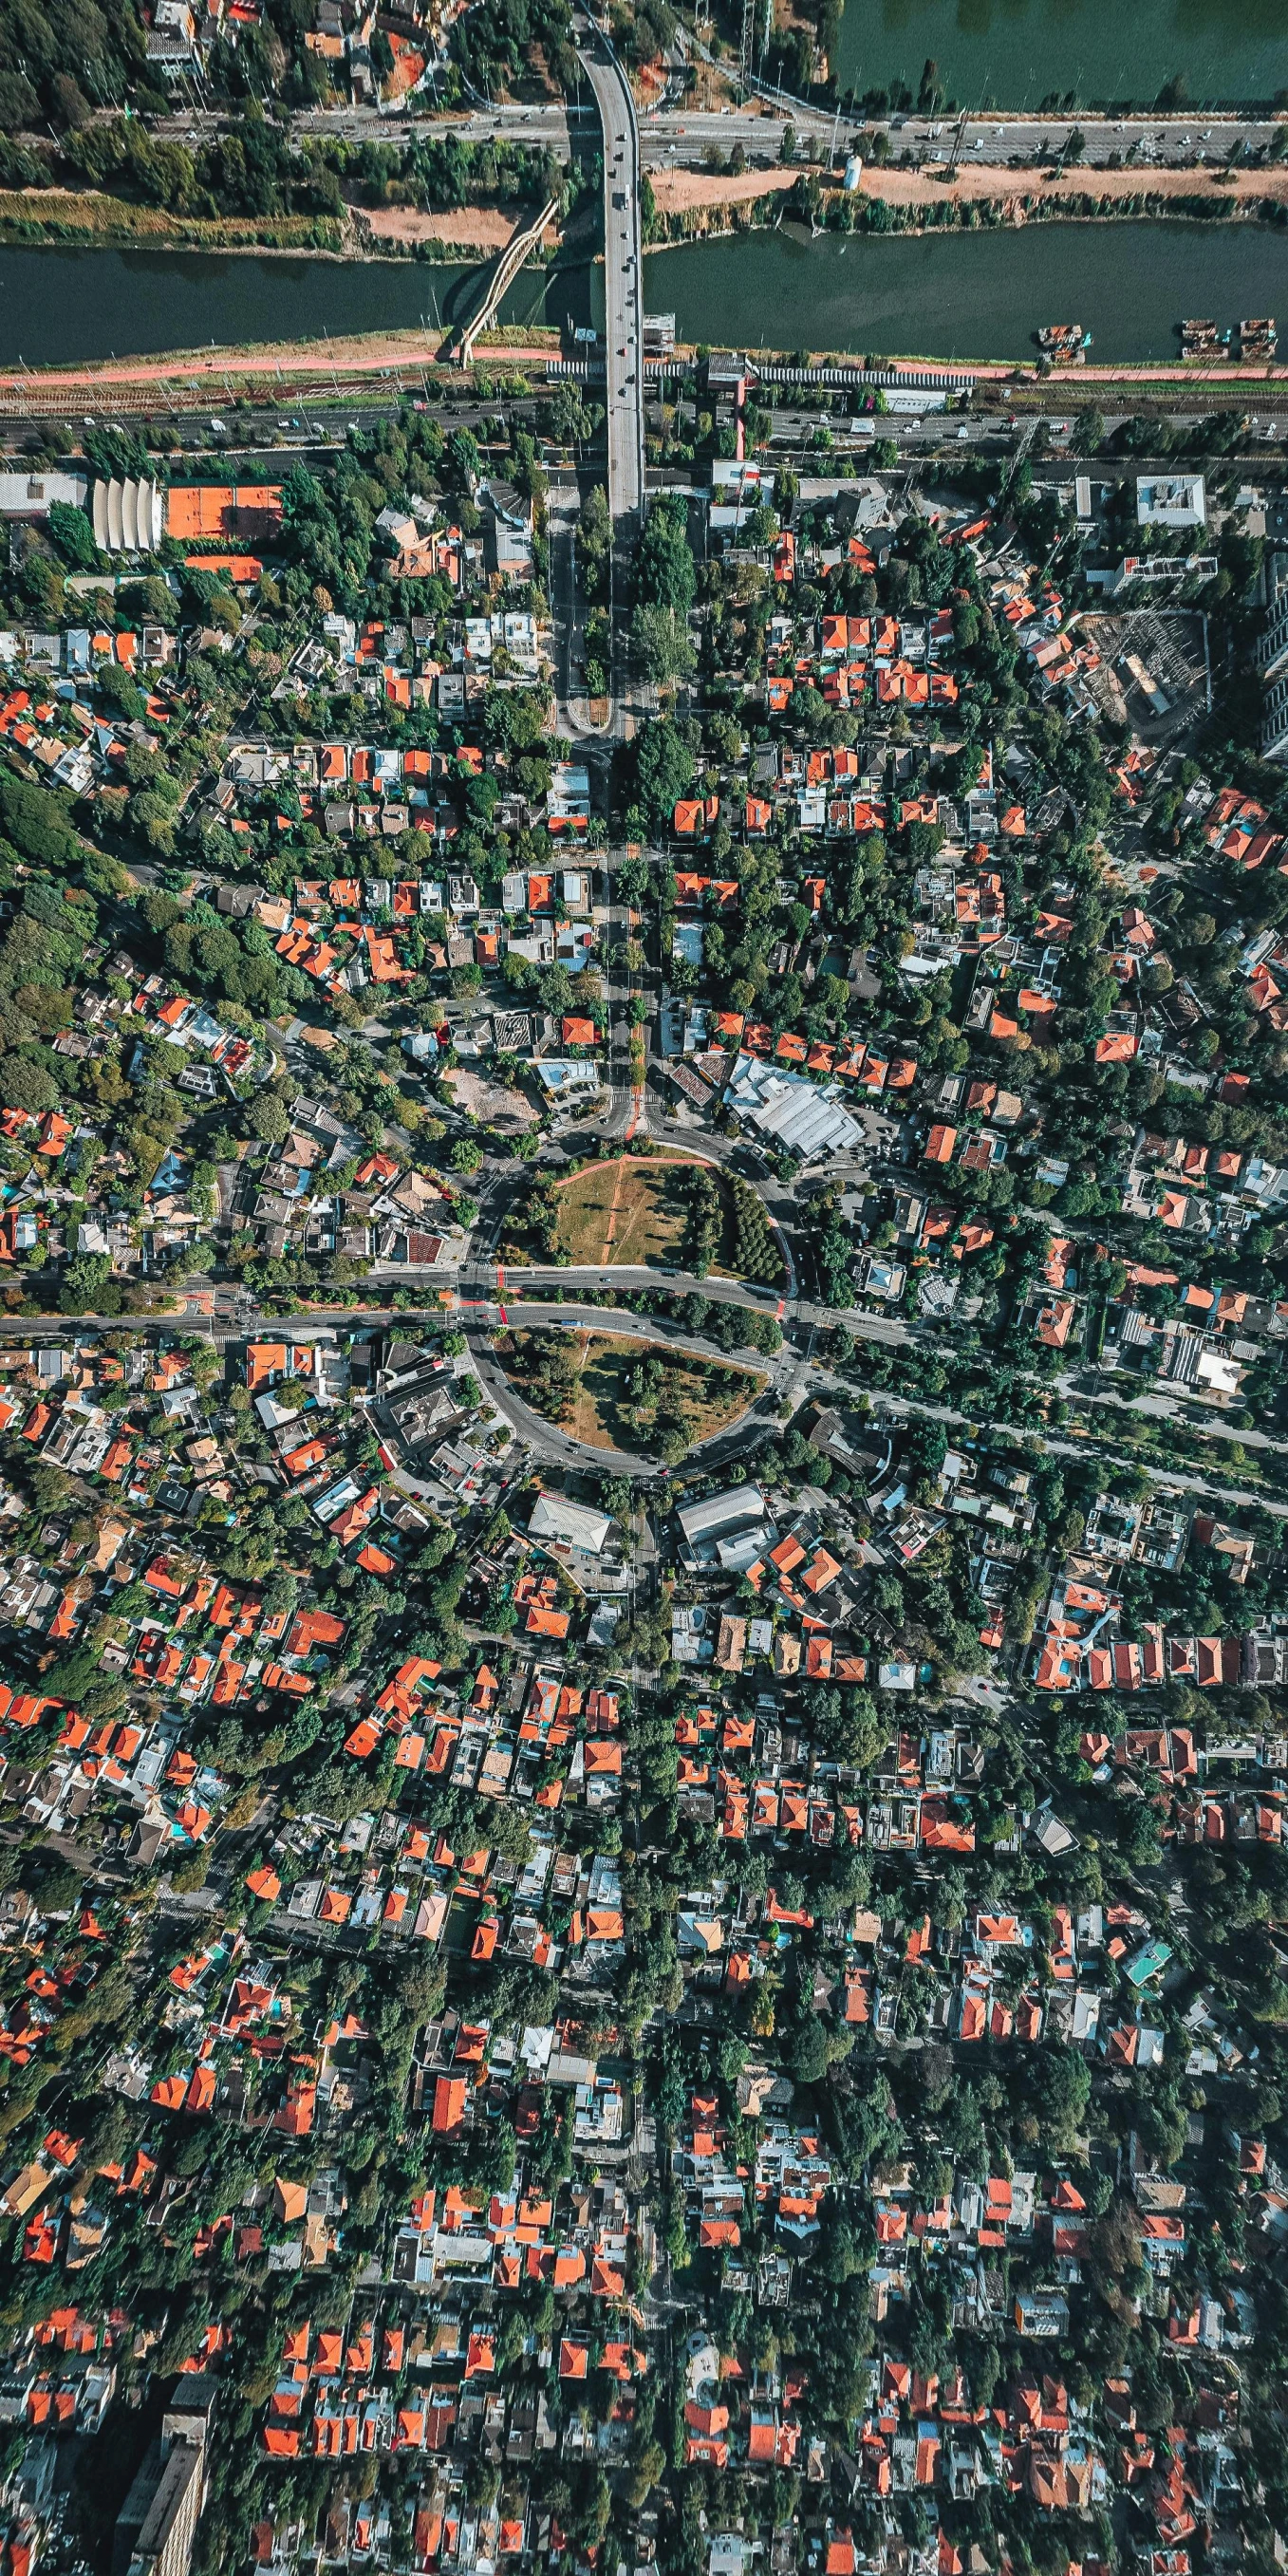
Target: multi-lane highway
(623,280)
(679,134)
(623,315)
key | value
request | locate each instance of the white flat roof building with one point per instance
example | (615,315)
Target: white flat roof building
(566,1524)
(1170,501)
(28,495)
(718,1514)
(565,1077)
(736,1553)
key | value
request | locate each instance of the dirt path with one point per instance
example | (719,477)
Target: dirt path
(922,188)
(611,1228)
(630,1162)
(372,353)
(678,192)
(638,1216)
(312,368)
(478,231)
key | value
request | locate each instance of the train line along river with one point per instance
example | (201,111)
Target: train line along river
(973,295)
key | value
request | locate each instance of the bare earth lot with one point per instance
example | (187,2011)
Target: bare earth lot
(477,231)
(682,191)
(624,1211)
(492,1104)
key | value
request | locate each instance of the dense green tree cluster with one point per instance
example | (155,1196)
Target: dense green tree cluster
(66,59)
(756,1252)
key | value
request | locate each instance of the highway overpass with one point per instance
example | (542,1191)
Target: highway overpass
(623,281)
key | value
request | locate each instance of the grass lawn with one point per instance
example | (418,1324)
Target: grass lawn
(618,1393)
(629,1211)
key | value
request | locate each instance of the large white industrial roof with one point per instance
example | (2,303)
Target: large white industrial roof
(793,1111)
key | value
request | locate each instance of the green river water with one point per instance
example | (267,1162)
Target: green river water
(1016,53)
(946,295)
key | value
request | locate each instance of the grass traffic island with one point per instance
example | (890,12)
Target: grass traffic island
(616,1392)
(661,1211)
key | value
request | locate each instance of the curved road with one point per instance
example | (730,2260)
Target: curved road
(237,1319)
(494,1290)
(795,1375)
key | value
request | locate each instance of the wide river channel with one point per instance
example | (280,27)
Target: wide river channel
(1016,53)
(946,295)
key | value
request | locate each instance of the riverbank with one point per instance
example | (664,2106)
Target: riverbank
(89,219)
(57,218)
(688,205)
(695,207)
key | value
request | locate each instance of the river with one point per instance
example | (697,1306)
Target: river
(1019,52)
(943,295)
(973,295)
(61,305)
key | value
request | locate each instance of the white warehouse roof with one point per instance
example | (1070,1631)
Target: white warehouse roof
(791,1110)
(569,1524)
(716,1513)
(28,495)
